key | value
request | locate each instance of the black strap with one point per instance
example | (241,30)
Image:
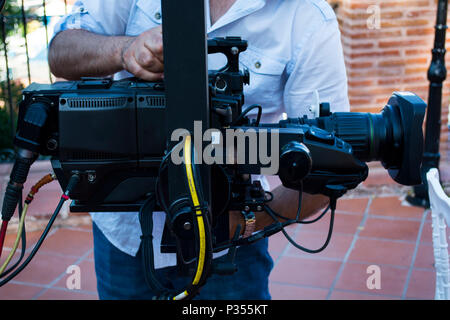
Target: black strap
(146,221)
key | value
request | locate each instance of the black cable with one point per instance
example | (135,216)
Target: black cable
(37,245)
(296,245)
(327,241)
(72,183)
(244,113)
(297,217)
(274,216)
(162,203)
(2,4)
(146,221)
(316,219)
(299,208)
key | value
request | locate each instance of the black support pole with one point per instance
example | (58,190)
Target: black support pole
(185,68)
(186,79)
(437,73)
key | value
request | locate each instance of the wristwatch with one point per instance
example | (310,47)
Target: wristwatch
(250,223)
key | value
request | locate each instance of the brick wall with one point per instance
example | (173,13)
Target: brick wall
(391,53)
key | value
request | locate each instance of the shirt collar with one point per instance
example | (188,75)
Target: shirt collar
(238,10)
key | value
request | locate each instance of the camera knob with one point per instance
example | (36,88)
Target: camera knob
(295,164)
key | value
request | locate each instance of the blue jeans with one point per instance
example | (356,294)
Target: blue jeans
(121,276)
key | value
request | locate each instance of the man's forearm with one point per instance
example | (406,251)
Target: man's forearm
(285,202)
(78,53)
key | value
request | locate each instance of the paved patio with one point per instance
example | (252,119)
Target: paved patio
(373,226)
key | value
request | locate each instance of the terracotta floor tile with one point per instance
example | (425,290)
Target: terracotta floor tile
(41,166)
(56,294)
(352,205)
(45,268)
(305,271)
(391,229)
(32,237)
(421,285)
(12,291)
(337,247)
(347,295)
(393,207)
(292,292)
(87,226)
(343,223)
(354,277)
(425,257)
(44,204)
(90,256)
(68,242)
(275,255)
(427,234)
(377,177)
(278,242)
(382,252)
(87,277)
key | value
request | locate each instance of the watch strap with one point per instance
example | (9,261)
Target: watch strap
(250,223)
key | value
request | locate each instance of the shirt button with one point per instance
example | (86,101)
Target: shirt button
(158,15)
(257,64)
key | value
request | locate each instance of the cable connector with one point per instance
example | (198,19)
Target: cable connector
(18,176)
(73,181)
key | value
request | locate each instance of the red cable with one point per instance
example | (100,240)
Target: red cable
(3,235)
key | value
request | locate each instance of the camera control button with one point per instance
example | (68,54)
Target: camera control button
(316,134)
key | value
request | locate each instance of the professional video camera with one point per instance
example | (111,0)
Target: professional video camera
(111,152)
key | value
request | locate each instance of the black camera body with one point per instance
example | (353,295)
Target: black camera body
(113,134)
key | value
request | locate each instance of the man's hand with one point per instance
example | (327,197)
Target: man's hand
(143,56)
(79,53)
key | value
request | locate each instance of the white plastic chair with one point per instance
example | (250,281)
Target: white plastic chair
(440,214)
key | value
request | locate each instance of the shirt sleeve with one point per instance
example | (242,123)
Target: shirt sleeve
(318,65)
(106,17)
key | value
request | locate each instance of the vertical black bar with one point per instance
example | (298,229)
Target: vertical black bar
(8,76)
(437,73)
(65,6)
(186,83)
(186,73)
(24,23)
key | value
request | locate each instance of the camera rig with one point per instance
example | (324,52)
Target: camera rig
(112,136)
(111,147)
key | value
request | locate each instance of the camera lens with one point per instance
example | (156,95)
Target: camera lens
(393,136)
(372,136)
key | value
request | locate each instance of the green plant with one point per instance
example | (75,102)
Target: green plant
(6,145)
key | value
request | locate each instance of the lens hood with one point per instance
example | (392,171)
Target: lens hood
(410,110)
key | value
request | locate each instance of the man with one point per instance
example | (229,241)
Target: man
(294,49)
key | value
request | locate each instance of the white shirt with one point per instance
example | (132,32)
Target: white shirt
(294,48)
